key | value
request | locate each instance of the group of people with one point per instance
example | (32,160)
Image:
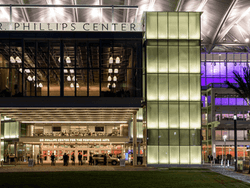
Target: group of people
(66,159)
(210,158)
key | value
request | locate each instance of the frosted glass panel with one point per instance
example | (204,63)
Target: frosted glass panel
(152,155)
(163,155)
(151,26)
(194,59)
(162,25)
(174,154)
(195,115)
(194,25)
(173,25)
(151,59)
(183,26)
(173,59)
(184,115)
(174,137)
(163,59)
(163,115)
(183,59)
(152,93)
(195,154)
(195,87)
(163,87)
(184,154)
(173,87)
(183,87)
(173,115)
(152,115)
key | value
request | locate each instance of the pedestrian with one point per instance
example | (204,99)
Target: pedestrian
(38,158)
(208,158)
(90,160)
(52,159)
(73,159)
(105,159)
(8,157)
(80,158)
(65,159)
(212,158)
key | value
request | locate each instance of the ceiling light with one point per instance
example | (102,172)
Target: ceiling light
(235,40)
(111,60)
(71,85)
(108,85)
(27,70)
(12,60)
(65,71)
(29,78)
(116,71)
(247,40)
(18,60)
(73,78)
(117,60)
(109,78)
(68,60)
(77,85)
(34,78)
(113,85)
(110,70)
(71,70)
(40,85)
(224,39)
(68,78)
(115,78)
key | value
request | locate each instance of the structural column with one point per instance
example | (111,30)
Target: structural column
(134,140)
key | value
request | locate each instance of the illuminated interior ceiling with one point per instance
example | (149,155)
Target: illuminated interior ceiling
(69,115)
(224,27)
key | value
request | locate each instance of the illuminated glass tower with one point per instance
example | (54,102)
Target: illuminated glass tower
(173,87)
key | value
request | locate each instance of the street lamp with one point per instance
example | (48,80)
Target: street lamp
(235,142)
(224,138)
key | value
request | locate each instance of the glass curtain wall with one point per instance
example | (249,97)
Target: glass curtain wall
(173,88)
(98,68)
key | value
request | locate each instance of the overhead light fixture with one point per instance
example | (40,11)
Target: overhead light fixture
(224,39)
(235,40)
(111,60)
(73,78)
(27,70)
(117,60)
(68,78)
(116,71)
(77,85)
(247,40)
(115,78)
(40,85)
(113,85)
(68,60)
(29,78)
(34,78)
(109,78)
(18,60)
(12,60)
(108,85)
(110,70)
(71,85)
(65,71)
(71,70)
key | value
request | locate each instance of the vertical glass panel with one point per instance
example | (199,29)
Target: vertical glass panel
(183,59)
(163,155)
(194,59)
(173,59)
(184,137)
(162,25)
(173,25)
(183,25)
(152,137)
(42,54)
(195,115)
(152,156)
(42,82)
(173,115)
(94,83)
(195,154)
(174,154)
(54,58)
(195,87)
(81,54)
(151,59)
(195,137)
(54,82)
(174,137)
(163,115)
(152,115)
(152,83)
(194,25)
(184,154)
(163,59)
(81,78)
(183,87)
(151,30)
(173,87)
(184,114)
(163,137)
(163,87)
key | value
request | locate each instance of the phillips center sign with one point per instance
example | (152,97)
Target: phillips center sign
(80,26)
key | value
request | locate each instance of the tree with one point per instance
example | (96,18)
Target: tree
(242,88)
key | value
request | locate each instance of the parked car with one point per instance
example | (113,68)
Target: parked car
(99,158)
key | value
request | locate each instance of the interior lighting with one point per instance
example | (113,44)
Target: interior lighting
(108,85)
(113,85)
(20,70)
(247,40)
(59,59)
(68,78)
(40,85)
(235,40)
(73,79)
(110,70)
(29,78)
(116,71)
(117,60)
(224,137)
(65,71)
(34,78)
(235,117)
(27,70)
(68,60)
(18,60)
(111,60)
(71,70)
(77,85)
(115,78)
(12,60)
(71,85)
(109,78)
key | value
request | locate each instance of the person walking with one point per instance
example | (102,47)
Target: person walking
(90,160)
(52,159)
(65,159)
(105,159)
(73,159)
(38,158)
(80,158)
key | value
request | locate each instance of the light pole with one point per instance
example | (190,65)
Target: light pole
(224,138)
(235,142)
